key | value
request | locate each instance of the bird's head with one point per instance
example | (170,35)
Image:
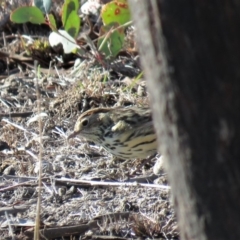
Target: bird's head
(91,124)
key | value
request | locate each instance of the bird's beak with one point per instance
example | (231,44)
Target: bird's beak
(72,135)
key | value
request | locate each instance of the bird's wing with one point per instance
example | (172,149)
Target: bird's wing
(131,118)
(134,126)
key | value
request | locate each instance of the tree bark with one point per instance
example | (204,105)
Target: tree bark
(190,53)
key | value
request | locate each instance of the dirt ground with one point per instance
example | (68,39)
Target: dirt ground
(85,192)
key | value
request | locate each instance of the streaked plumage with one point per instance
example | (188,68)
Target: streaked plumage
(127,133)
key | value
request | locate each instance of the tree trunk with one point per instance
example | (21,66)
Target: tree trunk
(190,53)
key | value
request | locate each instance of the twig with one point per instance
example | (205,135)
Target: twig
(16,114)
(17,126)
(38,210)
(117,184)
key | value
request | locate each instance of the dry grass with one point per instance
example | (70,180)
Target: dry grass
(139,209)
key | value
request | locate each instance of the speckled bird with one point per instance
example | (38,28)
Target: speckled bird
(125,132)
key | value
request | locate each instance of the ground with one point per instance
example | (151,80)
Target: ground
(85,192)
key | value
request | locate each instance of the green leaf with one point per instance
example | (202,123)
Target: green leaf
(70,18)
(52,22)
(116,11)
(111,41)
(72,24)
(68,7)
(27,14)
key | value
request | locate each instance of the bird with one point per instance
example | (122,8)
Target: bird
(125,132)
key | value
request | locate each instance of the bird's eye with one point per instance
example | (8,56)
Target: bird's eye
(84,122)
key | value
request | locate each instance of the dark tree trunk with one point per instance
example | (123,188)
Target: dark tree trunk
(190,53)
